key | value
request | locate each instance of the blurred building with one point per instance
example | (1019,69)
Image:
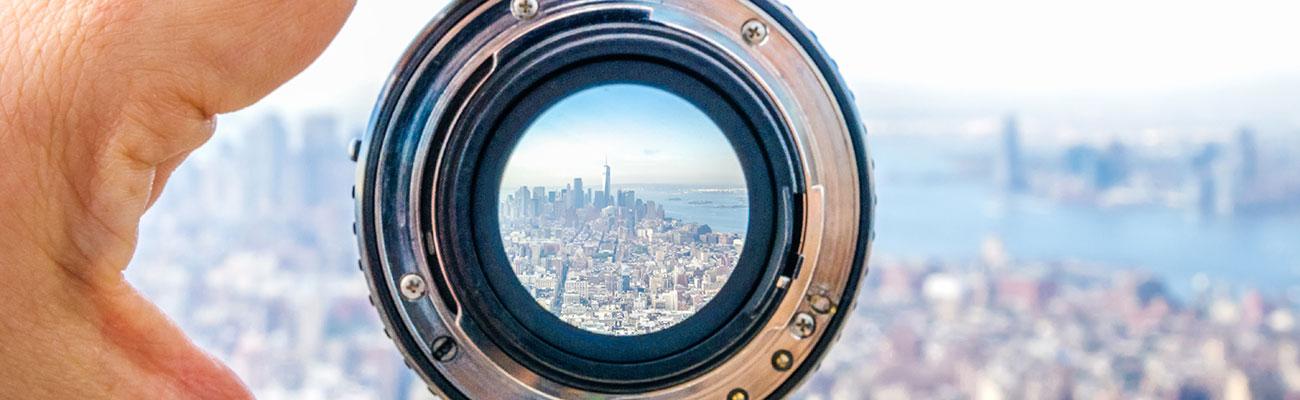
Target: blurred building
(1010,167)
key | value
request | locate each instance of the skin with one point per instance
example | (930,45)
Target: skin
(100,100)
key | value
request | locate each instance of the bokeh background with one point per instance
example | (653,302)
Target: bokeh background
(1077,199)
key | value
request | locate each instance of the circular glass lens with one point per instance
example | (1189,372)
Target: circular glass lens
(623,209)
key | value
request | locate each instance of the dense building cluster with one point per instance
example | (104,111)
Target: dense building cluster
(612,264)
(1013,330)
(1213,179)
(250,251)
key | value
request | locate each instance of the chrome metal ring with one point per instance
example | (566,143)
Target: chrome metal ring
(427,114)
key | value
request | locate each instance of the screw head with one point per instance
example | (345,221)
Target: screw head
(821,304)
(738,394)
(444,349)
(754,31)
(804,325)
(782,360)
(412,286)
(524,9)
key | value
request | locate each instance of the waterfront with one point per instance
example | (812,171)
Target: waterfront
(722,208)
(258,266)
(929,208)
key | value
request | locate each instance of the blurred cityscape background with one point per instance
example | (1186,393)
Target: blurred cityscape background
(1095,200)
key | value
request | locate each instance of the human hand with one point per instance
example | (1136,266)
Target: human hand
(100,100)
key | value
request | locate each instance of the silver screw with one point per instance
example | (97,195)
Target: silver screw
(804,325)
(444,349)
(412,286)
(821,304)
(754,31)
(524,9)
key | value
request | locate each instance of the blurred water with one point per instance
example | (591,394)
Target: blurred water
(722,209)
(945,216)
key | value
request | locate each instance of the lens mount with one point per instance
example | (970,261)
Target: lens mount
(431,168)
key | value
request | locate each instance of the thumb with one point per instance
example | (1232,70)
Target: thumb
(99,101)
(141,81)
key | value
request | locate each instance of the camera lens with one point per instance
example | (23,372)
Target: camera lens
(628,223)
(572,199)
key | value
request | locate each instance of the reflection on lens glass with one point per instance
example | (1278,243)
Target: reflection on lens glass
(623,209)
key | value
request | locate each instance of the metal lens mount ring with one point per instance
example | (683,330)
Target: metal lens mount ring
(431,165)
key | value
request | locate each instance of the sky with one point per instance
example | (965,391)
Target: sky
(1036,46)
(648,135)
(1125,62)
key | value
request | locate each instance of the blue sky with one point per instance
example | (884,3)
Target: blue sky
(648,135)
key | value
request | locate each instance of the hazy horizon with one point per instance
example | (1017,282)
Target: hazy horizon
(1164,266)
(1046,62)
(645,134)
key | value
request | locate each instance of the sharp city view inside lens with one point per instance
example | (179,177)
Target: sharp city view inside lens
(623,209)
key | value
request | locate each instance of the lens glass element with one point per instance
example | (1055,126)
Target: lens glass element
(623,209)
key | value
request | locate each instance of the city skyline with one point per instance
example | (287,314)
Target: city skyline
(650,135)
(596,182)
(266,279)
(240,257)
(613,263)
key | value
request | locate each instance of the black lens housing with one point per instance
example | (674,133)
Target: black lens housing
(430,179)
(606,52)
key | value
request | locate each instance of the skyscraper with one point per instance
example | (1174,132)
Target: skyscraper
(579,195)
(267,151)
(626,198)
(524,205)
(1010,172)
(604,201)
(1214,182)
(320,146)
(1248,155)
(539,197)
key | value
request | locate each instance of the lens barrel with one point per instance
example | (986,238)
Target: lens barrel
(458,104)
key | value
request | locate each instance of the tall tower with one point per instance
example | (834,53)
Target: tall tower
(579,195)
(1010,172)
(1248,154)
(605,201)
